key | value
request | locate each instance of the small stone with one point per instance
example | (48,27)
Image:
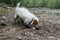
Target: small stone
(3,21)
(3,17)
(3,24)
(19,37)
(50,38)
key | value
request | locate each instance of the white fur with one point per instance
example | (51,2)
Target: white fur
(24,14)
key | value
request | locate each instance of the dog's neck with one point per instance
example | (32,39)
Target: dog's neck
(30,22)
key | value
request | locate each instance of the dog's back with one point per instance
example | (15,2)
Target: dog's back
(24,13)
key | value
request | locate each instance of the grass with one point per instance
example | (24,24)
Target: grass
(3,11)
(38,13)
(6,11)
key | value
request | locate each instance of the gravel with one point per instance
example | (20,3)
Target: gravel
(49,26)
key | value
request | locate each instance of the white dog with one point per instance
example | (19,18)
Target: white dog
(28,18)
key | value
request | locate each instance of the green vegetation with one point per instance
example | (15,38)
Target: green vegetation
(34,3)
(6,11)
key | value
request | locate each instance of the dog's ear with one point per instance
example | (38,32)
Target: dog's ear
(34,22)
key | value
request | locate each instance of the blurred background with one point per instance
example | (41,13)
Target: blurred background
(34,3)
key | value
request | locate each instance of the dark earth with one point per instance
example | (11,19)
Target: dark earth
(49,25)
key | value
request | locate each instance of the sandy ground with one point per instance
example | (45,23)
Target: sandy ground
(49,26)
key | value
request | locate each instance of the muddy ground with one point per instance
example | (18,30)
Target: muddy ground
(49,25)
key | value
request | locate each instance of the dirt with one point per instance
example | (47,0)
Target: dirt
(49,25)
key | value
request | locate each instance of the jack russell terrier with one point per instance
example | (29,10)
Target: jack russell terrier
(28,18)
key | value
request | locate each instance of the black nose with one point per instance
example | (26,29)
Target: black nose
(37,28)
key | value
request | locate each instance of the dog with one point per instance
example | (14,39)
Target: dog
(28,18)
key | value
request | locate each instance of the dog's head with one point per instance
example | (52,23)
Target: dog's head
(35,22)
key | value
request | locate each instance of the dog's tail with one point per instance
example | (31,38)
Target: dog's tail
(18,5)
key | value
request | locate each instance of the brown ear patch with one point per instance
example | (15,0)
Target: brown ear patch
(35,22)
